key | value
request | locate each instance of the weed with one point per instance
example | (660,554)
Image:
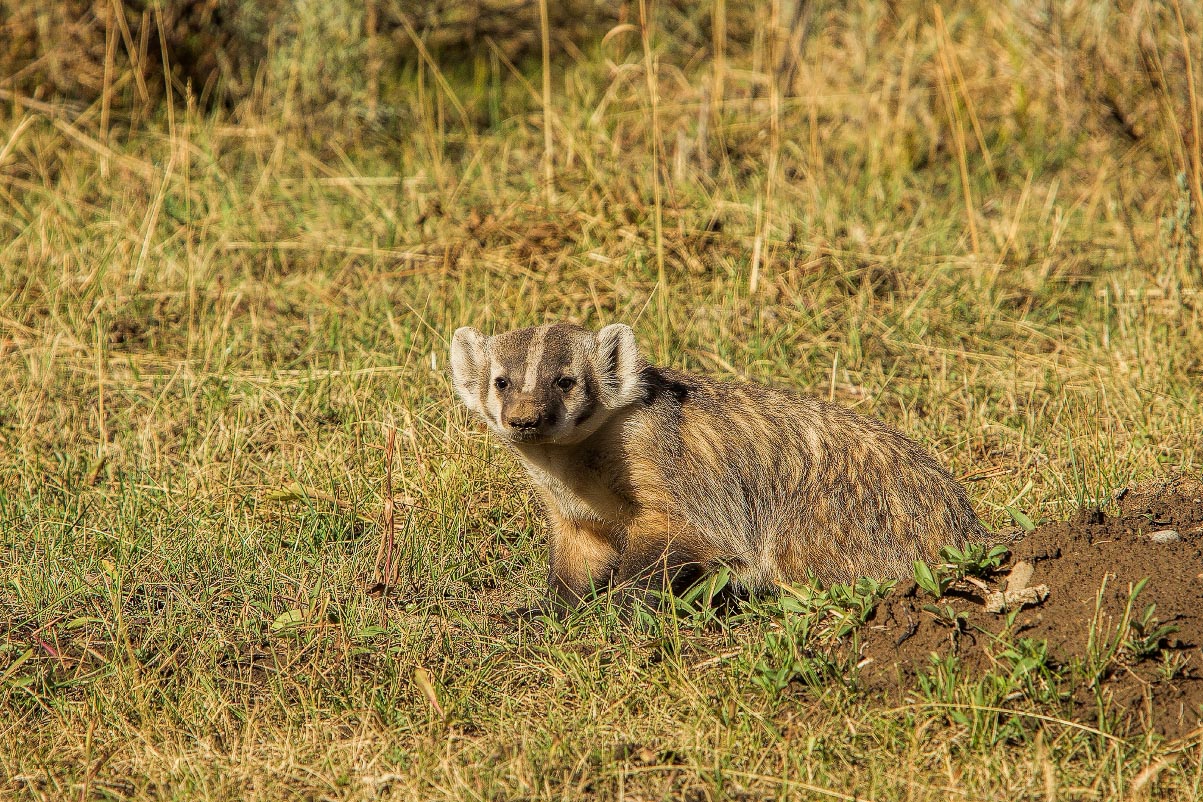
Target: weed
(1146,635)
(805,627)
(851,606)
(936,579)
(982,705)
(1032,671)
(1131,639)
(1021,518)
(1172,665)
(840,608)
(697,607)
(974,560)
(946,615)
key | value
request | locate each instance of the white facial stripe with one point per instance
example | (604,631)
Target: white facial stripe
(492,407)
(534,355)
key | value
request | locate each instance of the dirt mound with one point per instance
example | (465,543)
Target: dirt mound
(1084,588)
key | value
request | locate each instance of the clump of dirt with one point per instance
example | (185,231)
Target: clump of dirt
(1148,679)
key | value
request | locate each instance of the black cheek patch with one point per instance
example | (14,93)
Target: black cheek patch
(585,414)
(590,387)
(587,385)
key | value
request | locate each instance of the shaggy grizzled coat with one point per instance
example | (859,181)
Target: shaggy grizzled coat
(652,476)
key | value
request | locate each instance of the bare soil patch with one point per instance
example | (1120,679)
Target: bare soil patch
(1090,566)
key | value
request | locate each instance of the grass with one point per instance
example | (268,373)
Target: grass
(211,320)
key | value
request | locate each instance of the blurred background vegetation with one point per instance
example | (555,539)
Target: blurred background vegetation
(1114,68)
(1018,90)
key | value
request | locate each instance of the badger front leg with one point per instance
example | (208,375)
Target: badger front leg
(582,558)
(657,557)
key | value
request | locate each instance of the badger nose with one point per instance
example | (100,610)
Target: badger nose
(526,422)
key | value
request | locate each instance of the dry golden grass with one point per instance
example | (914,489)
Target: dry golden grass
(981,225)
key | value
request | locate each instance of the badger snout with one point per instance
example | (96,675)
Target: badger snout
(526,418)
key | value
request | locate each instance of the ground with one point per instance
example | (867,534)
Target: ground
(980,225)
(1117,637)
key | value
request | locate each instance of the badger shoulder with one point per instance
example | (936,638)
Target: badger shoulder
(708,421)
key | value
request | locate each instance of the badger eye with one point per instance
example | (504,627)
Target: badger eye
(565,383)
(501,382)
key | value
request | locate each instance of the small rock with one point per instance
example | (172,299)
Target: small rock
(1020,576)
(1165,536)
(1016,599)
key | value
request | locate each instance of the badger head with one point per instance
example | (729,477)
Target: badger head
(547,384)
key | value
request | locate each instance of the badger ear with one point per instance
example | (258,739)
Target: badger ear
(469,365)
(619,366)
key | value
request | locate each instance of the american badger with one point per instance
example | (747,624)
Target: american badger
(651,476)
